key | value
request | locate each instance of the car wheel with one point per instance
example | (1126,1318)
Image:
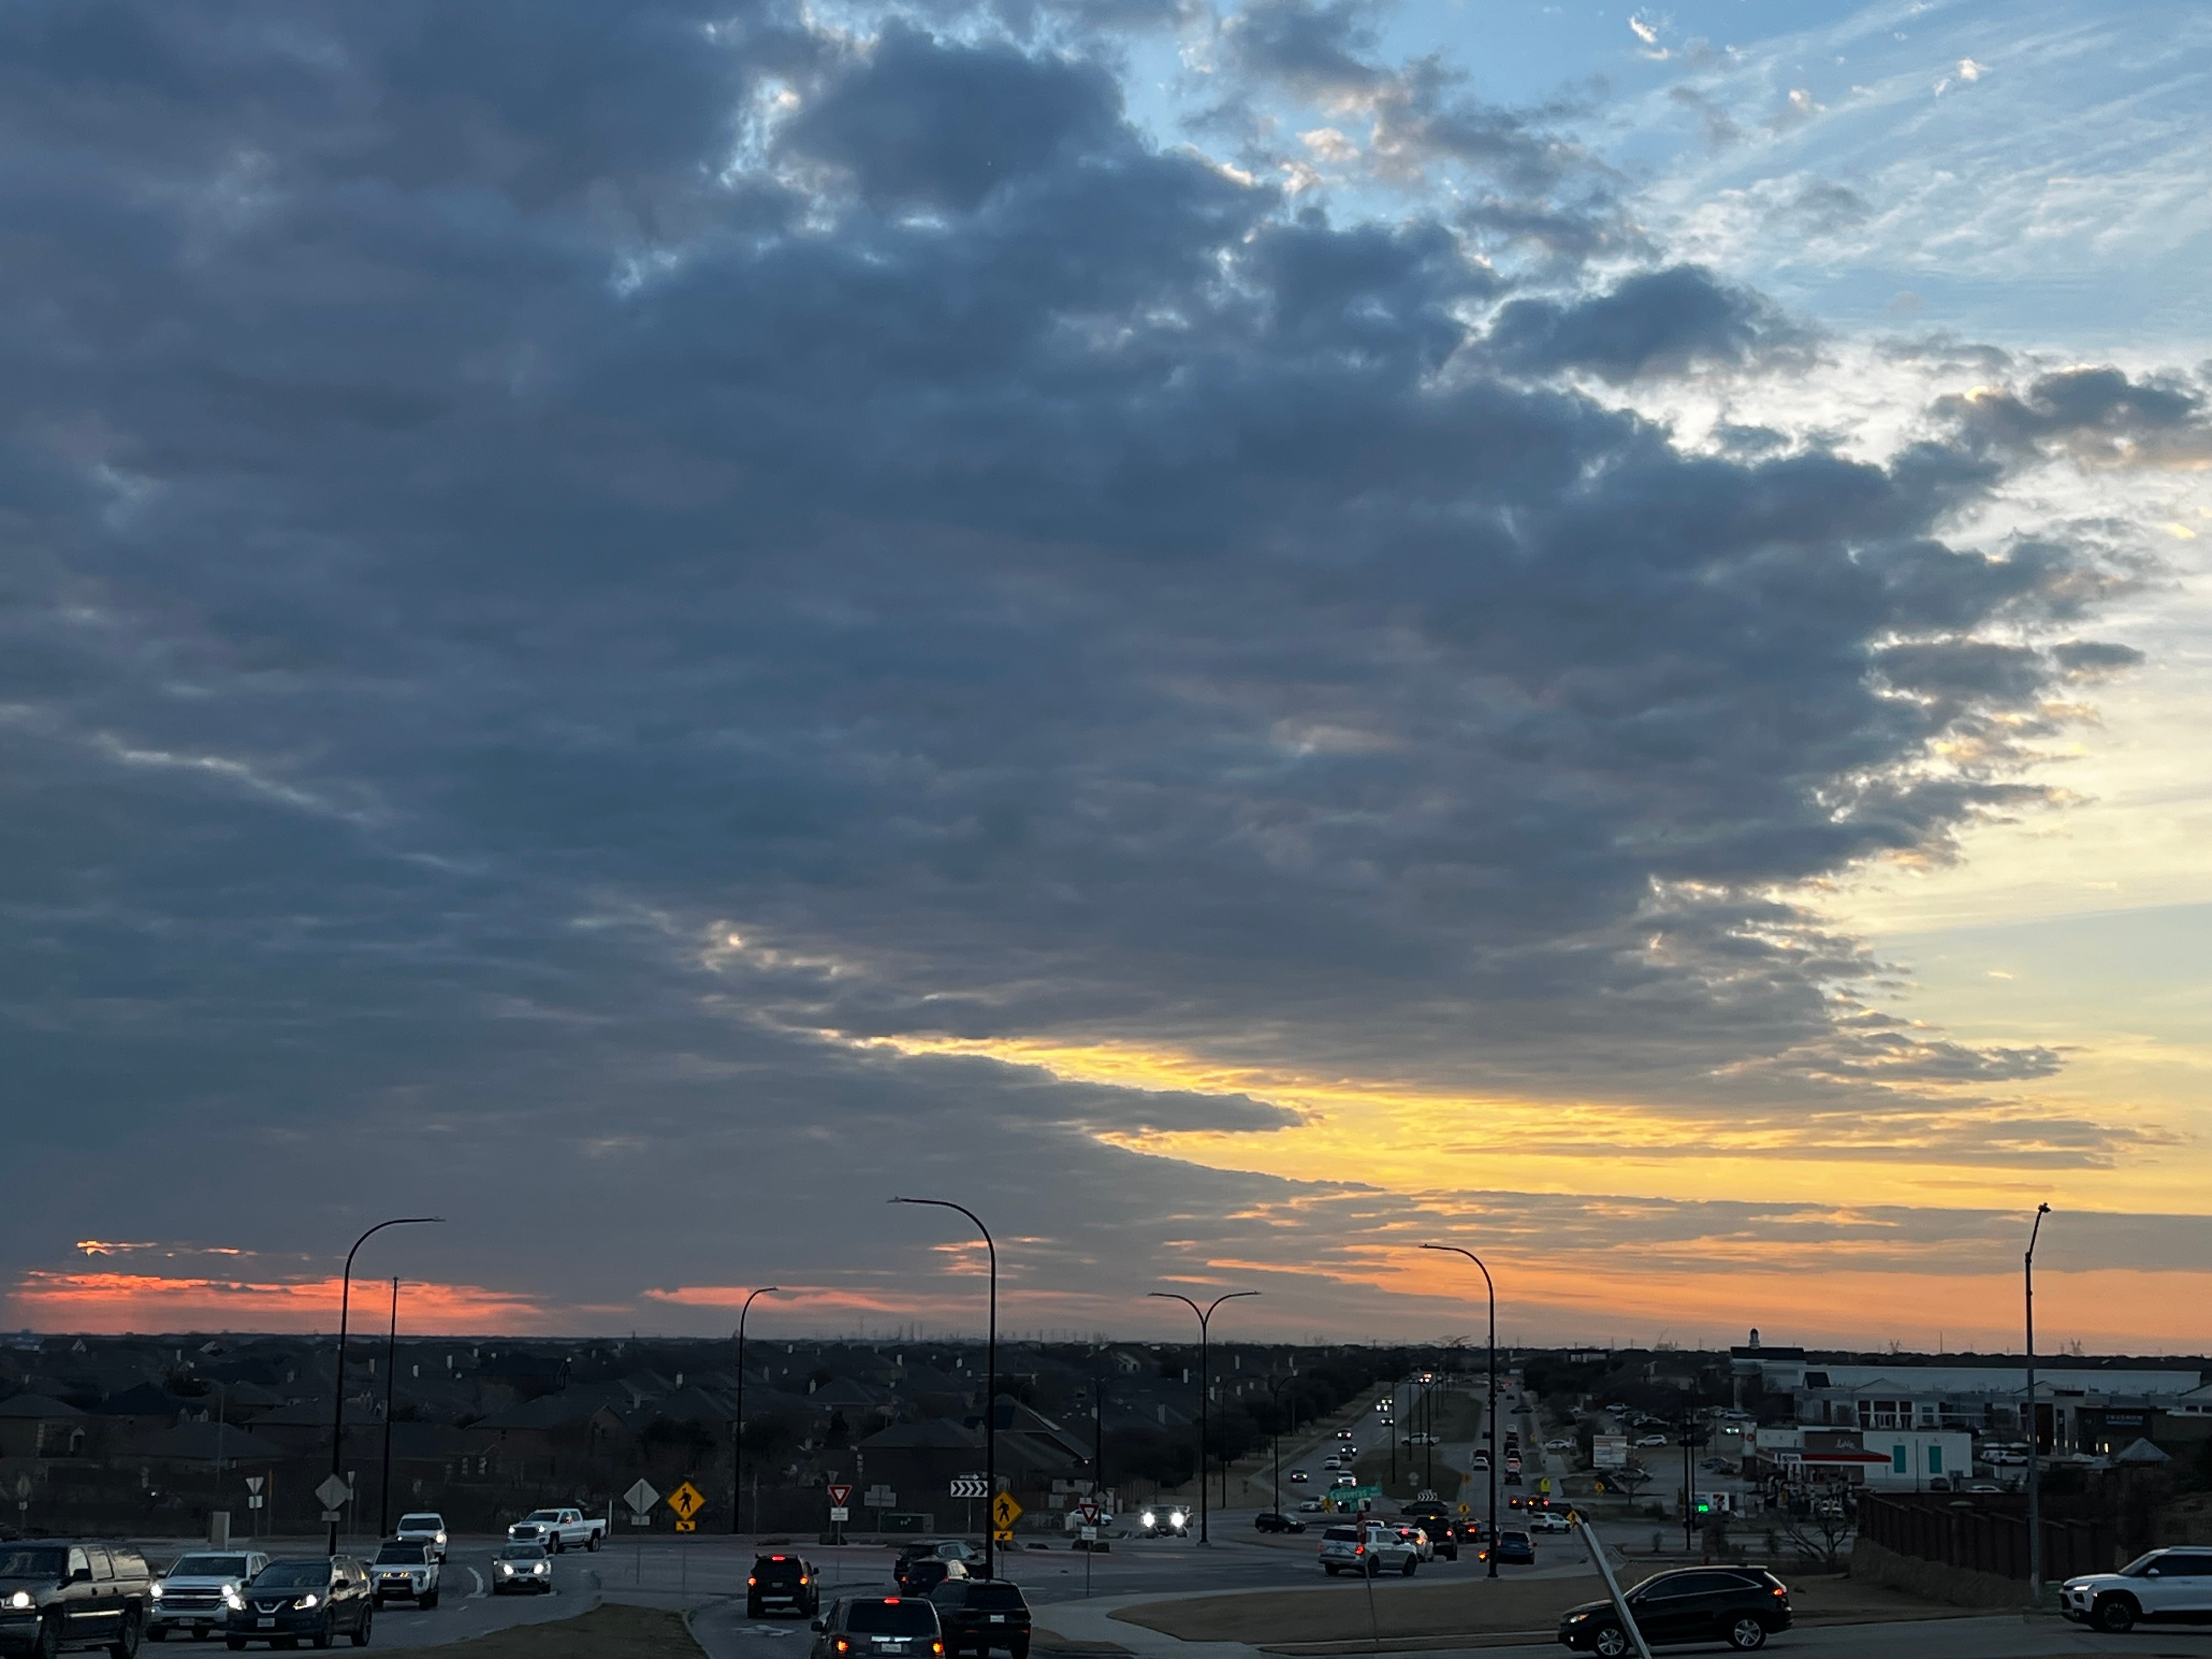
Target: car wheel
(159,1633)
(125,1645)
(1747,1633)
(235,1644)
(428,1602)
(1611,1642)
(49,1637)
(1020,1649)
(327,1633)
(2116,1613)
(1411,1561)
(1330,1567)
(361,1632)
(593,1542)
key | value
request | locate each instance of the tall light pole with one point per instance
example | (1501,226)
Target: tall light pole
(738,1429)
(1275,1421)
(391,1376)
(990,1385)
(1489,1407)
(1205,1322)
(2034,1499)
(337,1385)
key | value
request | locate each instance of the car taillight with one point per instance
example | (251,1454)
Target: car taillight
(1781,1589)
(937,1647)
(843,1646)
(750,1582)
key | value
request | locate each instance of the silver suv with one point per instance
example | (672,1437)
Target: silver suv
(1368,1549)
(2166,1586)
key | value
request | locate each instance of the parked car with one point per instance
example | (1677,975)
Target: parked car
(790,1581)
(1513,1547)
(1269,1521)
(404,1572)
(521,1569)
(57,1592)
(1366,1549)
(309,1598)
(1562,1443)
(559,1530)
(428,1529)
(979,1614)
(1651,1440)
(894,1626)
(2165,1587)
(189,1596)
(1739,1606)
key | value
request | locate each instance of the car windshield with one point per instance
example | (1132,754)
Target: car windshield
(2142,1563)
(997,1597)
(522,1553)
(779,1566)
(208,1566)
(892,1619)
(420,1524)
(293,1575)
(33,1564)
(401,1555)
(1341,1535)
(543,1515)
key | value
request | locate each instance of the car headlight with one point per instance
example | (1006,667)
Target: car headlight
(20,1599)
(310,1600)
(540,1567)
(1577,1618)
(233,1596)
(441,1538)
(1150,1519)
(504,1568)
(156,1592)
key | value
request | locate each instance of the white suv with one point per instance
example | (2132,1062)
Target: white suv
(2164,1587)
(425,1529)
(1368,1549)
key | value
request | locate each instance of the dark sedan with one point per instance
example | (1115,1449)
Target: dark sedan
(1269,1520)
(302,1598)
(1739,1606)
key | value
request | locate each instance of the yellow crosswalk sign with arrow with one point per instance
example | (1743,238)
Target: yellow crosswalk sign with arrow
(1004,1513)
(687,1501)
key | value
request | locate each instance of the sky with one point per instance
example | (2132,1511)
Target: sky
(1243,637)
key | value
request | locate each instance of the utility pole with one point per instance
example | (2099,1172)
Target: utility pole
(338,1383)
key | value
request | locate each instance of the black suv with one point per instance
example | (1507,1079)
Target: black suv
(979,1614)
(56,1593)
(1269,1521)
(1739,1606)
(879,1628)
(782,1581)
(302,1596)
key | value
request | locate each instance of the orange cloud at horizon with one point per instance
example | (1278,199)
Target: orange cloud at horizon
(112,1302)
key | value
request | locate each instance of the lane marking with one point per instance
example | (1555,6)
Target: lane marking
(479,1590)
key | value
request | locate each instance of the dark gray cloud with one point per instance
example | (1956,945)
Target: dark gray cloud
(502,502)
(1662,322)
(2099,414)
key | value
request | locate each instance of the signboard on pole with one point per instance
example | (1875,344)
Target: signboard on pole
(642,1497)
(840,1495)
(881,1497)
(687,1501)
(1004,1513)
(969,1486)
(332,1495)
(1090,1512)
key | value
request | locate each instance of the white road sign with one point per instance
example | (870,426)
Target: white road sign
(642,1497)
(333,1492)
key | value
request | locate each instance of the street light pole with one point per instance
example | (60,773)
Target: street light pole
(1275,1421)
(338,1384)
(2034,1498)
(1204,1321)
(390,1374)
(1490,1406)
(990,1385)
(738,1429)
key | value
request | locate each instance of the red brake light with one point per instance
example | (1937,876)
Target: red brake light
(779,1557)
(751,1582)
(891,1601)
(1781,1589)
(802,1578)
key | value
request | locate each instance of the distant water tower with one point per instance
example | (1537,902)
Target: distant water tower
(1755,1336)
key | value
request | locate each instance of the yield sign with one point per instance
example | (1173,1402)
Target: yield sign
(1091,1512)
(333,1492)
(838,1495)
(641,1498)
(254,1483)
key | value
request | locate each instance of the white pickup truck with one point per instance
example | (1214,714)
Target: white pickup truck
(559,1530)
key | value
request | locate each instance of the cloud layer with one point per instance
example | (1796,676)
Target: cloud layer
(573,566)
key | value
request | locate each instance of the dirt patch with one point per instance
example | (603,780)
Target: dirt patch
(609,1631)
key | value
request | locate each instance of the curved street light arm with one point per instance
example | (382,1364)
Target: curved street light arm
(1490,1409)
(345,1306)
(1205,1328)
(738,1427)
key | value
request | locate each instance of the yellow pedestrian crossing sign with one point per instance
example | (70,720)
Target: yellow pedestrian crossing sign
(687,1502)
(1004,1513)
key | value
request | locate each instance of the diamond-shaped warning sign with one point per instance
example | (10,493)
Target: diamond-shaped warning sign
(333,1492)
(686,1501)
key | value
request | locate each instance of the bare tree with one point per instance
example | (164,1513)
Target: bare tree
(1818,1537)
